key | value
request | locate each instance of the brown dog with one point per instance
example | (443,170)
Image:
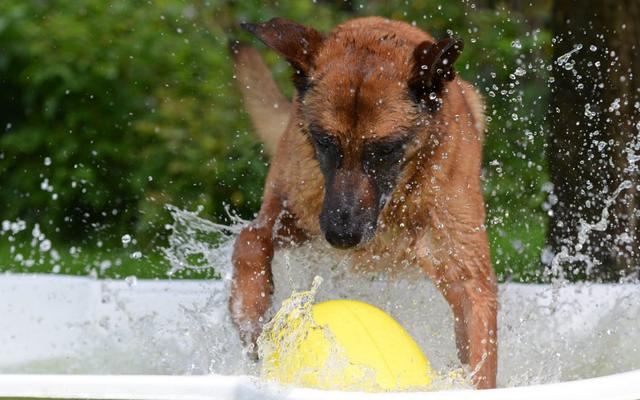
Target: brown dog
(380,153)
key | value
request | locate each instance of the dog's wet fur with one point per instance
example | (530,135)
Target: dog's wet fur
(379,152)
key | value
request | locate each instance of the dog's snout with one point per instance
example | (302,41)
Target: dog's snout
(349,212)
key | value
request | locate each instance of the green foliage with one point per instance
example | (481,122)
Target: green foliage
(110,110)
(135,107)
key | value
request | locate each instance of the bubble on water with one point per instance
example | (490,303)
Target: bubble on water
(593,47)
(520,71)
(514,116)
(516,44)
(136,255)
(47,161)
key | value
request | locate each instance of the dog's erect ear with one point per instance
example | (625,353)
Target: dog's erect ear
(432,68)
(297,43)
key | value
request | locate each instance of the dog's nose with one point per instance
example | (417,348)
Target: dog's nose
(342,231)
(343,239)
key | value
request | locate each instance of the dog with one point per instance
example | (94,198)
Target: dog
(379,152)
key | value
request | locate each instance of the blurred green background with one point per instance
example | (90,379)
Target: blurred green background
(109,110)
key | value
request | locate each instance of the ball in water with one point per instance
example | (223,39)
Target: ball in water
(352,346)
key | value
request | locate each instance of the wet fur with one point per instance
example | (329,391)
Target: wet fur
(435,216)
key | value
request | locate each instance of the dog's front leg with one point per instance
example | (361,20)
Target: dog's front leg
(252,283)
(474,305)
(471,291)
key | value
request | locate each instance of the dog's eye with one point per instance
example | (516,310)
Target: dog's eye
(323,141)
(387,150)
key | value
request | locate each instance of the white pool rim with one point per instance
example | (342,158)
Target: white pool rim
(624,386)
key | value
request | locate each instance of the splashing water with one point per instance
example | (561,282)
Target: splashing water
(197,243)
(585,228)
(178,327)
(583,346)
(563,59)
(594,332)
(281,340)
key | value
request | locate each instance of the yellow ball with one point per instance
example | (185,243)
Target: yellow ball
(359,347)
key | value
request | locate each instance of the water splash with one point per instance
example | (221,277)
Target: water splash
(176,327)
(197,243)
(584,230)
(281,343)
(563,59)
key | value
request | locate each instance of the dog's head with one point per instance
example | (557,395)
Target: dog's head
(363,99)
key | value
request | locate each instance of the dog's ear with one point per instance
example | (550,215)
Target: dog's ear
(297,43)
(432,68)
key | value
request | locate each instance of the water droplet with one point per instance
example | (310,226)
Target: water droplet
(516,44)
(565,57)
(45,245)
(47,161)
(126,239)
(588,112)
(520,71)
(131,281)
